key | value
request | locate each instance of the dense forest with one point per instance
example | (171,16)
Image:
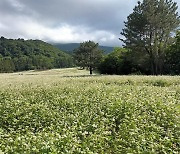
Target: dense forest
(20,55)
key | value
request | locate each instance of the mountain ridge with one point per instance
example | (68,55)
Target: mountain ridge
(69,47)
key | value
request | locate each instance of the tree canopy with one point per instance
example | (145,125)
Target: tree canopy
(88,55)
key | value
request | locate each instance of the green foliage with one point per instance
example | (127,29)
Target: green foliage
(88,55)
(123,61)
(173,57)
(113,63)
(31,54)
(104,114)
(148,30)
(6,65)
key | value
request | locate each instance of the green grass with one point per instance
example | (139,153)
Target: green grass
(68,111)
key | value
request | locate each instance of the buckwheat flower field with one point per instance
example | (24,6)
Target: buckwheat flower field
(68,111)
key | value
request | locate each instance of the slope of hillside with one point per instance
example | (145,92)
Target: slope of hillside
(20,54)
(69,47)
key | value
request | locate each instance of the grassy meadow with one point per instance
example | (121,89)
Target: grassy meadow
(68,111)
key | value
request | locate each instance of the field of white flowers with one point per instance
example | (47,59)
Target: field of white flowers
(68,111)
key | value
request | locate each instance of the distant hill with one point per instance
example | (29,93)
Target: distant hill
(69,47)
(20,55)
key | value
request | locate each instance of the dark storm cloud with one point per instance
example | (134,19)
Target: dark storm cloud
(65,20)
(98,14)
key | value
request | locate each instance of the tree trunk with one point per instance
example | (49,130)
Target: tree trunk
(152,68)
(152,63)
(156,67)
(161,65)
(90,69)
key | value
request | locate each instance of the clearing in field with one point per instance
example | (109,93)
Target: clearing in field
(68,111)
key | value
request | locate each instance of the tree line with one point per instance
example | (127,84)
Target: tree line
(20,55)
(126,61)
(150,46)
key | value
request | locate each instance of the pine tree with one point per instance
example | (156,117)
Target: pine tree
(149,29)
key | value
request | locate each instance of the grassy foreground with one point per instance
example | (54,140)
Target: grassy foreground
(68,111)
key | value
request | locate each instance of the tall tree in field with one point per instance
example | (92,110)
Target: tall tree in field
(149,29)
(88,55)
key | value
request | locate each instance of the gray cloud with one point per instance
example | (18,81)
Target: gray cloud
(65,20)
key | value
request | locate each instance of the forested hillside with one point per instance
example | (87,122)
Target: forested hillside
(20,54)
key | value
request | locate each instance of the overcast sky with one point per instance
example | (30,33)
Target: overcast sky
(65,21)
